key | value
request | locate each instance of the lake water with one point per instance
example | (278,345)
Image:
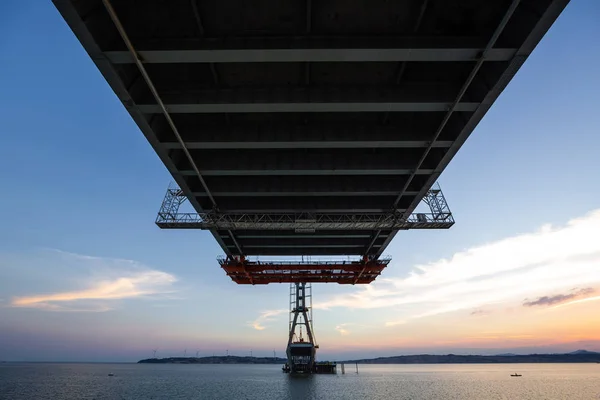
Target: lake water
(168,381)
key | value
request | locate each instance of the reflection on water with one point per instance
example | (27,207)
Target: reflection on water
(301,386)
(386,382)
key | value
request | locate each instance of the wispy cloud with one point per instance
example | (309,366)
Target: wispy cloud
(265,317)
(341,328)
(587,299)
(558,298)
(396,322)
(550,259)
(108,279)
(480,313)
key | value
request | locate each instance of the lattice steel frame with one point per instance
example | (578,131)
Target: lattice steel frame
(174,198)
(301,315)
(439,217)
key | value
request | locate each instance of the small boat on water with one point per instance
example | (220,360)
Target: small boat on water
(516,375)
(111,374)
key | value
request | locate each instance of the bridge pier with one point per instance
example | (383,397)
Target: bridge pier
(301,350)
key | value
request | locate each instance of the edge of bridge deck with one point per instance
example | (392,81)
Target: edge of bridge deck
(67,10)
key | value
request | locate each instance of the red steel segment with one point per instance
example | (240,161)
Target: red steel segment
(246,272)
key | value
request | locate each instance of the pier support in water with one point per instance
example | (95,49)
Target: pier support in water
(301,351)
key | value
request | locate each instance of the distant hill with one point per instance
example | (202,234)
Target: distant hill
(583,352)
(214,360)
(580,356)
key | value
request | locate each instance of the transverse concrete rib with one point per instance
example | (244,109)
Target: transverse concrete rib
(307,55)
(312,172)
(306,107)
(371,193)
(307,144)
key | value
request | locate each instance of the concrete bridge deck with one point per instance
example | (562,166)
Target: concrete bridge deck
(333,106)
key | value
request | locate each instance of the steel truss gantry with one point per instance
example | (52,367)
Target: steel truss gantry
(363,271)
(439,217)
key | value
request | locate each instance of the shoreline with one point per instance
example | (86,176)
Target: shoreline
(586,357)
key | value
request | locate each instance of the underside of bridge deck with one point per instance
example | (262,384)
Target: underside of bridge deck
(301,106)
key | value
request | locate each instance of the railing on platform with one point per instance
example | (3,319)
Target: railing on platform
(300,263)
(242,271)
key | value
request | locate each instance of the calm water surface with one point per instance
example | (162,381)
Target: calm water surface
(165,381)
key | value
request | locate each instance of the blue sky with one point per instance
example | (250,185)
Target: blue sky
(81,188)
